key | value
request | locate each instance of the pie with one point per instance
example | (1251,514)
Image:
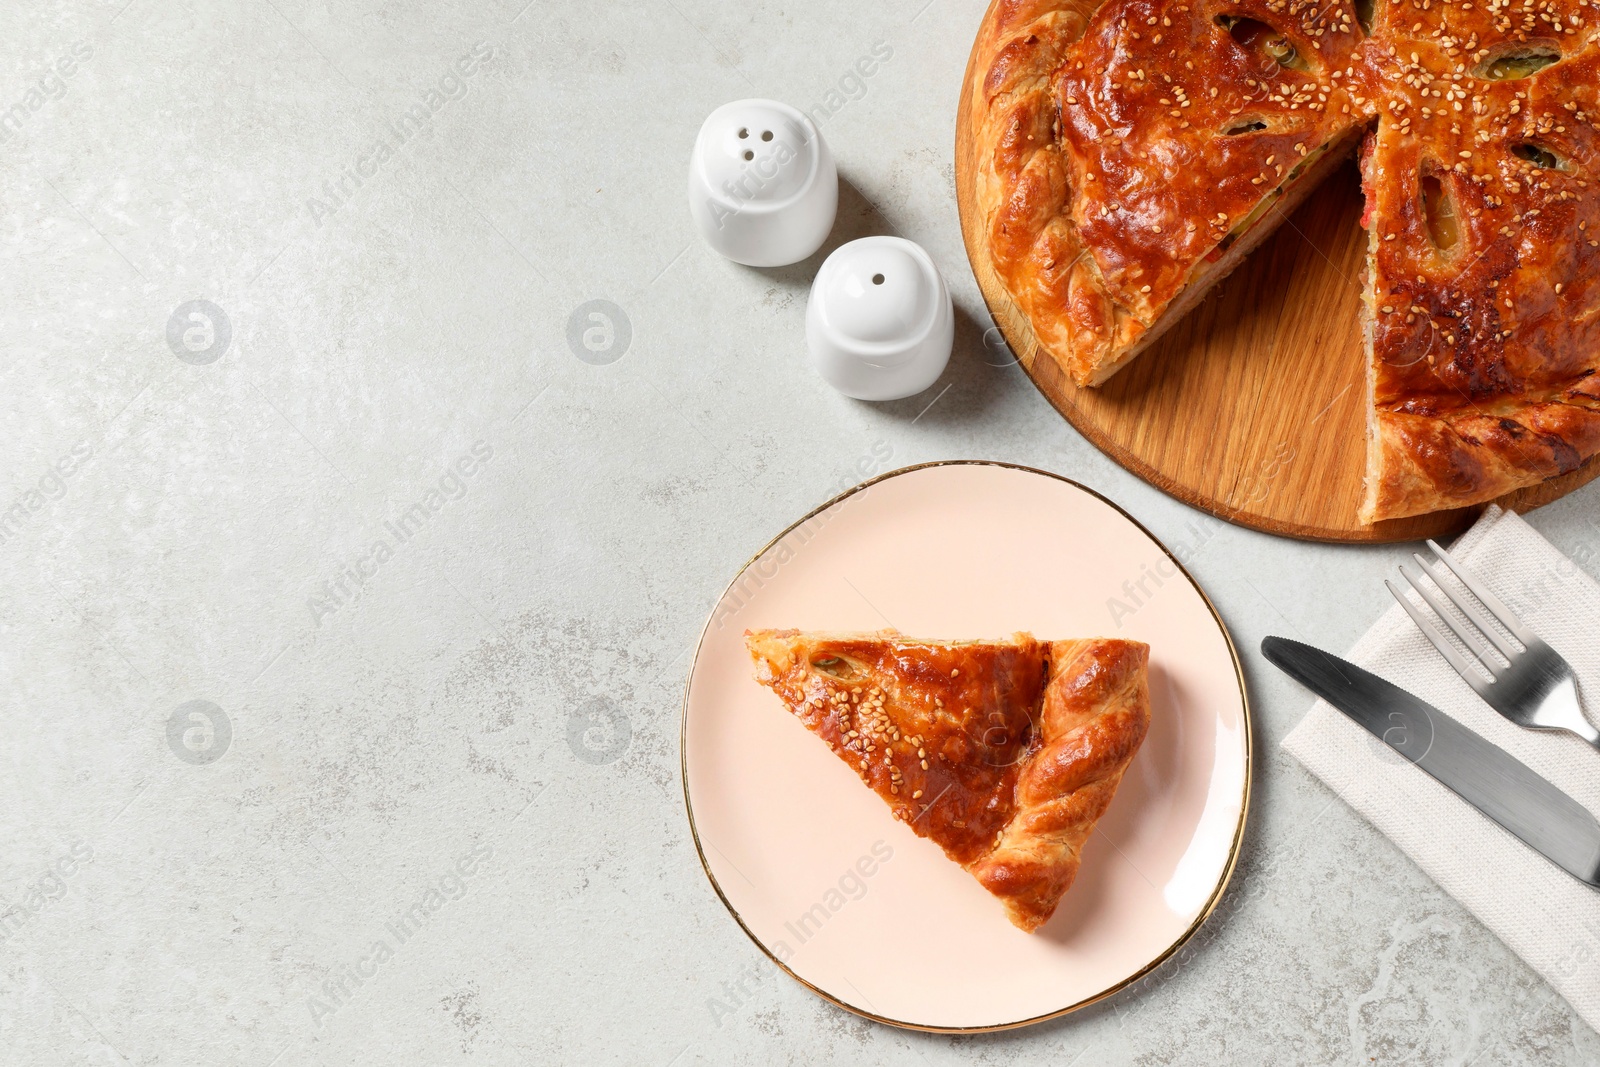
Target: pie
(1128,154)
(1003,753)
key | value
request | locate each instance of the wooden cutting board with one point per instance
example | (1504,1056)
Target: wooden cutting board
(1253,407)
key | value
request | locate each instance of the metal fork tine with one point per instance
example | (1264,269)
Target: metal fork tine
(1438,639)
(1446,649)
(1470,610)
(1506,617)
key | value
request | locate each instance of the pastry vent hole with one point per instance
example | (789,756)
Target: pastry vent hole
(834,665)
(1518,61)
(1439,208)
(1238,126)
(1261,39)
(1366,14)
(1538,155)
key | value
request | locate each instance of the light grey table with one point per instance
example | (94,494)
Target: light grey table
(433,579)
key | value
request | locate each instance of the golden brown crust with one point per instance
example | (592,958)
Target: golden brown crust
(1022,191)
(1004,753)
(1486,334)
(1110,175)
(1095,716)
(1120,145)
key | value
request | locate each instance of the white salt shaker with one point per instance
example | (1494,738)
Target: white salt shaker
(762,184)
(879,324)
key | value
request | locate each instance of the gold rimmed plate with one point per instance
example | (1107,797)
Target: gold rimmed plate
(851,902)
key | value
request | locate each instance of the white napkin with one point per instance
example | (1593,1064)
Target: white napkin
(1548,917)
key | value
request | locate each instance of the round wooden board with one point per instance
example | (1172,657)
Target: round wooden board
(1253,407)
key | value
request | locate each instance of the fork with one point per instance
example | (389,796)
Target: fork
(1535,689)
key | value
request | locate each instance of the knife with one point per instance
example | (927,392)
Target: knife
(1485,776)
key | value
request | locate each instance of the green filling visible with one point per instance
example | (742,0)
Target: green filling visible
(1284,53)
(1366,10)
(1271,198)
(832,665)
(1537,155)
(1512,67)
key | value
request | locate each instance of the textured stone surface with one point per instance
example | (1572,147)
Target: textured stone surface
(501,686)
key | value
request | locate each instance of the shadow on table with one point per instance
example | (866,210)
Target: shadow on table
(981,371)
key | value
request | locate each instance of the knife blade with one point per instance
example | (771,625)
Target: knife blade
(1482,774)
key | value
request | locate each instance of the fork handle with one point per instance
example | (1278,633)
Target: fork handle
(1585,729)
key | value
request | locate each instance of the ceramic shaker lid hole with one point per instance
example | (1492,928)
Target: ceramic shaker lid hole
(880,292)
(879,324)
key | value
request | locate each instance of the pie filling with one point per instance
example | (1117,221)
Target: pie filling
(1268,202)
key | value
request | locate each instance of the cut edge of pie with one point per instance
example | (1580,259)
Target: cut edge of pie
(1497,386)
(1004,753)
(1034,196)
(1480,303)
(1273,210)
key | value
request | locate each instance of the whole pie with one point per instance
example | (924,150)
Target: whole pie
(1003,753)
(1130,153)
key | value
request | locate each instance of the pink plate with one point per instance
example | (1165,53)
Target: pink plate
(850,901)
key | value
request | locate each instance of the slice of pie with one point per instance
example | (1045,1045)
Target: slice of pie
(1003,753)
